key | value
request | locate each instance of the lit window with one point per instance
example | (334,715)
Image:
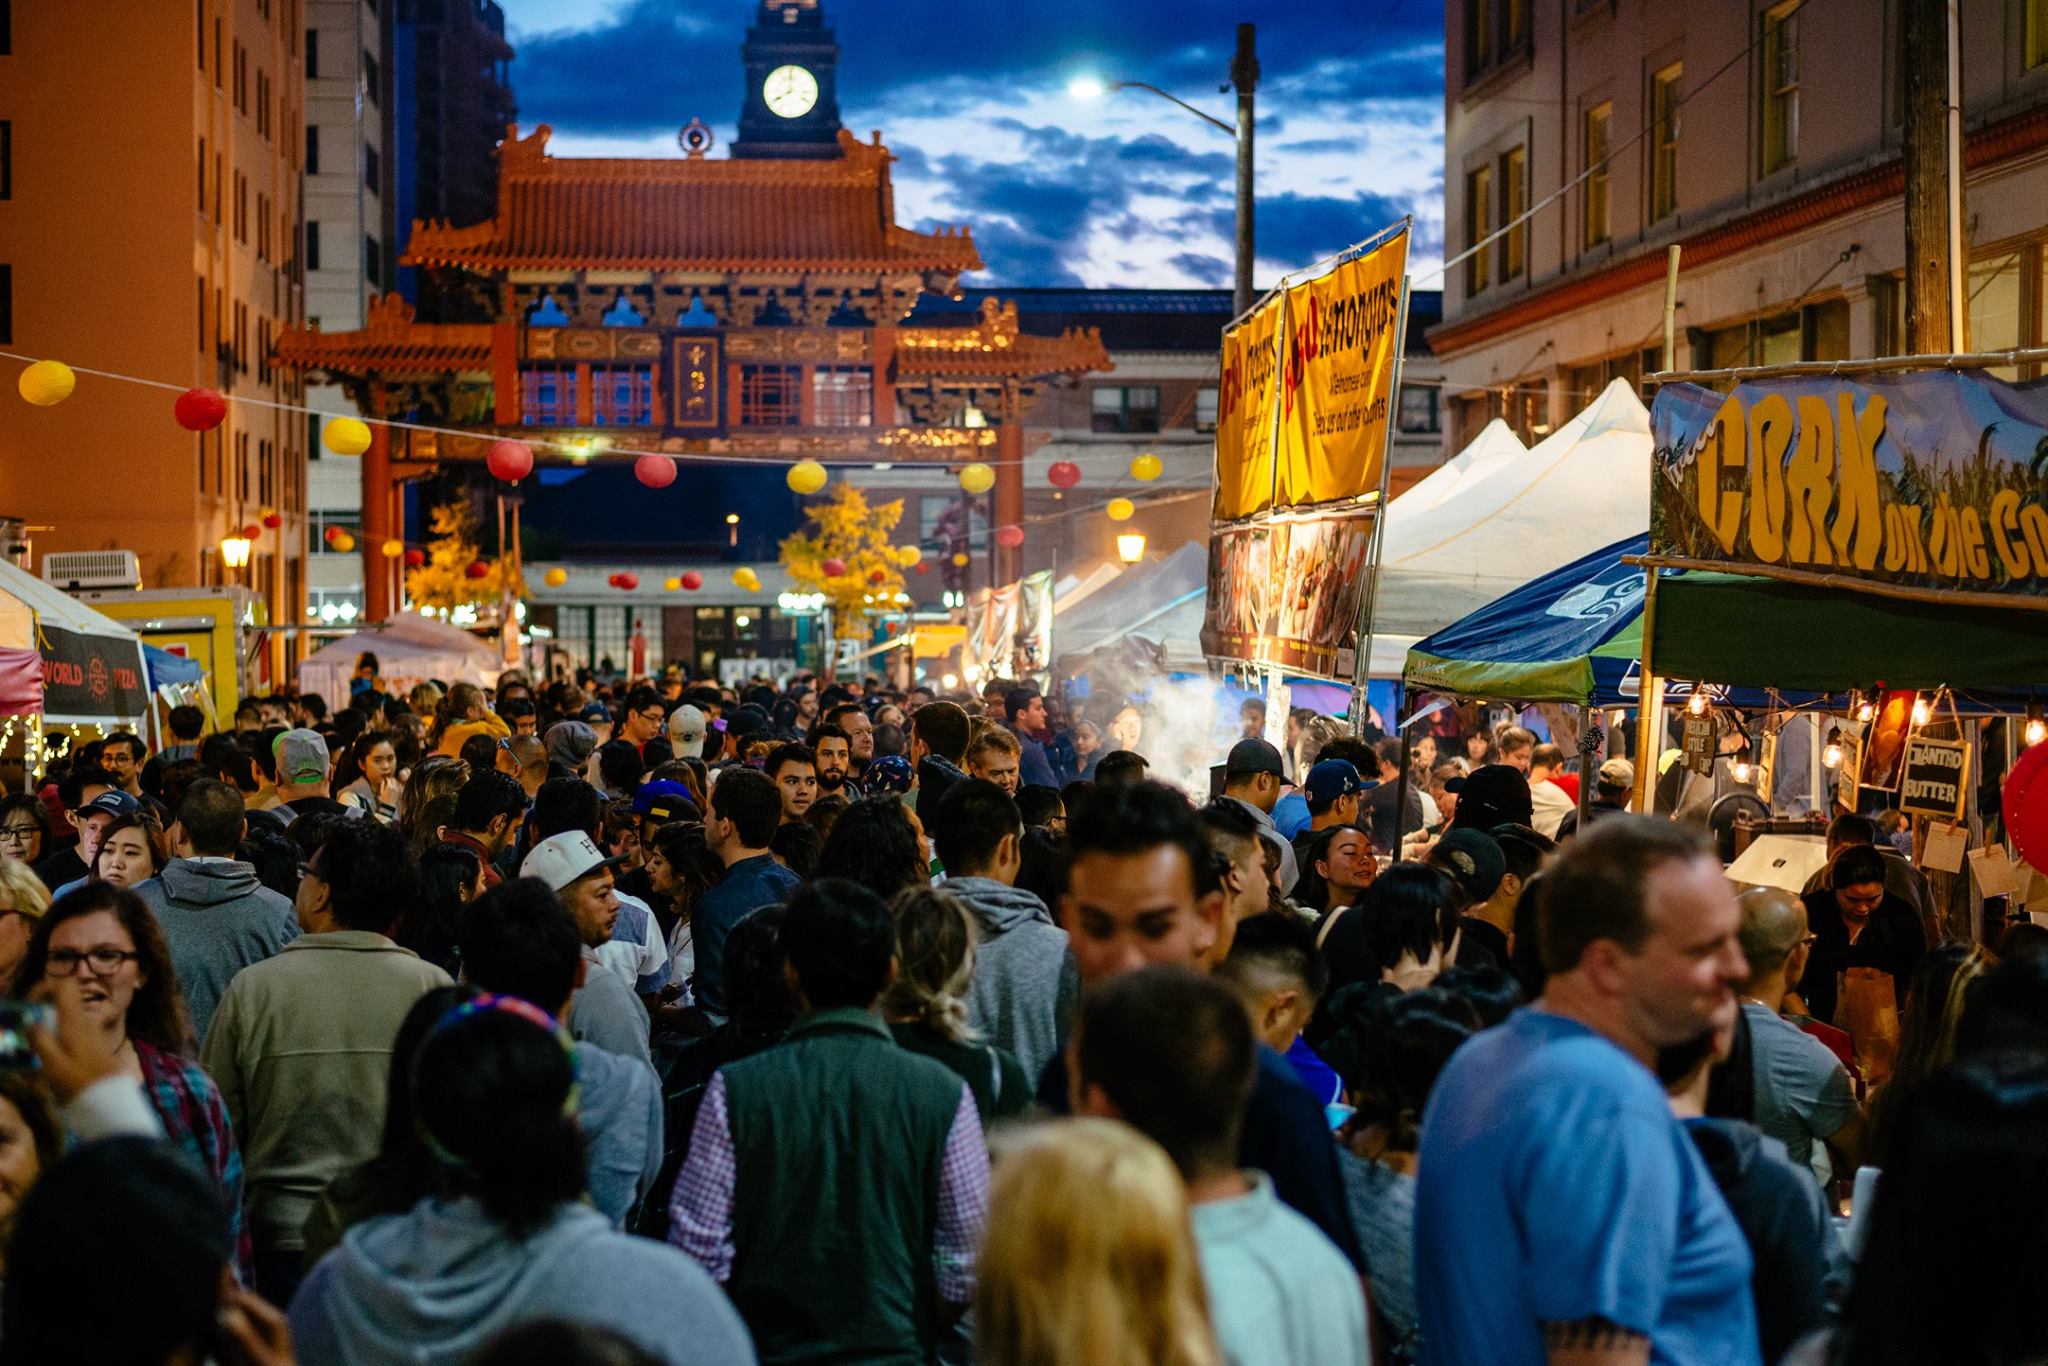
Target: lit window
(1478,225)
(843,395)
(1593,199)
(1514,201)
(1780,87)
(1664,141)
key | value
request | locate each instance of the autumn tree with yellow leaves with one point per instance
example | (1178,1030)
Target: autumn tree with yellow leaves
(443,582)
(844,528)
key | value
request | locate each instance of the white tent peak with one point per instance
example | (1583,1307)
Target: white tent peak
(1617,410)
(1495,445)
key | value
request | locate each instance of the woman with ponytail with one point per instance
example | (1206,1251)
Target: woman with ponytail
(461,714)
(504,1237)
(926,1005)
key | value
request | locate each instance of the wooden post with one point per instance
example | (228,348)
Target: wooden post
(1009,495)
(376,489)
(1933,204)
(1649,707)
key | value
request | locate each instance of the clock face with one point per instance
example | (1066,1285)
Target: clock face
(790,91)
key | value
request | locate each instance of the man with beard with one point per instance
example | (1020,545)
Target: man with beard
(852,721)
(835,755)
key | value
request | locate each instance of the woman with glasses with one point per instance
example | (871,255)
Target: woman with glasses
(128,853)
(22,827)
(23,900)
(100,951)
(375,787)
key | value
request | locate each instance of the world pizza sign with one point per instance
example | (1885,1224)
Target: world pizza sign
(91,678)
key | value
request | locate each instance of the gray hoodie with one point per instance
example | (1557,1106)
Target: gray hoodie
(619,1109)
(217,919)
(434,1284)
(1025,983)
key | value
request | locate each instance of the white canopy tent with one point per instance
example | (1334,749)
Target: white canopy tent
(410,649)
(1520,516)
(94,645)
(1495,446)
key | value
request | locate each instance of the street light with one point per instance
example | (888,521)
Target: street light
(732,528)
(1130,547)
(1244,76)
(234,551)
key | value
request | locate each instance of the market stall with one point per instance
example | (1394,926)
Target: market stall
(410,649)
(93,675)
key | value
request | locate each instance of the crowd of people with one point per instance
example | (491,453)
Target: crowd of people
(658,1021)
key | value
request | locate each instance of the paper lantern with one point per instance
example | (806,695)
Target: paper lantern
(415,559)
(1146,468)
(273,520)
(344,543)
(960,559)
(1063,474)
(1009,537)
(391,550)
(2025,805)
(806,476)
(200,410)
(977,478)
(655,471)
(746,578)
(47,382)
(833,567)
(509,460)
(628,582)
(1120,509)
(923,568)
(877,576)
(477,570)
(693,581)
(671,584)
(555,578)
(909,555)
(255,533)
(331,535)
(345,436)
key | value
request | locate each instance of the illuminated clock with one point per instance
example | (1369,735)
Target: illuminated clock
(790,91)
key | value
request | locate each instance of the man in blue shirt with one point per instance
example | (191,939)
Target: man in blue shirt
(745,809)
(1561,1211)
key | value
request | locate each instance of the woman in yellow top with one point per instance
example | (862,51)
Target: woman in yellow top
(461,714)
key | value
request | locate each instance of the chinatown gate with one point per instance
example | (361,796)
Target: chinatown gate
(746,308)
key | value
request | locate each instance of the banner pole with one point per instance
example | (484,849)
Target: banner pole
(1361,673)
(1649,704)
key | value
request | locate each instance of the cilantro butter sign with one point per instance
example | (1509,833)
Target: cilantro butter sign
(1931,480)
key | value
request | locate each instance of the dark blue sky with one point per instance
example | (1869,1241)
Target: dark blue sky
(972,97)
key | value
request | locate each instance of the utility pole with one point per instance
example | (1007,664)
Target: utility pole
(1244,74)
(1935,256)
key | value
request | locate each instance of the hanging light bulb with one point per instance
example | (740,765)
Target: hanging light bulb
(1865,708)
(2037,726)
(1740,769)
(1831,757)
(1697,704)
(1923,711)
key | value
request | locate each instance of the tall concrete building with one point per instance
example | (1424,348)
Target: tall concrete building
(149,225)
(1761,137)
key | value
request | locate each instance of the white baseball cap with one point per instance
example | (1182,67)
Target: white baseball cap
(562,859)
(686,732)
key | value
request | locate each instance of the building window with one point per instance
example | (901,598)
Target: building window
(370,81)
(263,104)
(202,315)
(547,396)
(770,395)
(6,304)
(1664,141)
(312,54)
(312,149)
(842,396)
(2036,32)
(1817,332)
(1593,196)
(621,396)
(241,207)
(6,159)
(1124,408)
(373,260)
(312,246)
(263,227)
(1996,309)
(241,79)
(1514,201)
(202,177)
(1205,408)
(371,180)
(1478,225)
(1495,31)
(1780,86)
(7,32)
(1418,415)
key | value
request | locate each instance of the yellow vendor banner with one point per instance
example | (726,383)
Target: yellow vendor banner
(1244,415)
(1336,392)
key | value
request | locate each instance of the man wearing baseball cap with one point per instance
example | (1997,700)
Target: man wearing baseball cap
(1611,791)
(1253,775)
(606,1013)
(686,726)
(302,769)
(92,819)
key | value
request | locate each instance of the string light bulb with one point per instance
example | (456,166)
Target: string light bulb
(1923,711)
(1831,756)
(2037,726)
(1697,704)
(1741,769)
(1865,709)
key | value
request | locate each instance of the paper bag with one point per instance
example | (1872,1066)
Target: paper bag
(1867,1005)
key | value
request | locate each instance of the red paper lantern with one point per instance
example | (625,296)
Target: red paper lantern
(655,471)
(253,532)
(415,559)
(273,520)
(693,580)
(509,460)
(924,566)
(626,582)
(1064,474)
(877,576)
(200,410)
(477,569)
(1009,537)
(2026,805)
(333,533)
(833,567)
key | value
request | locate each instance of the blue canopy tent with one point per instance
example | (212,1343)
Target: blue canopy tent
(166,668)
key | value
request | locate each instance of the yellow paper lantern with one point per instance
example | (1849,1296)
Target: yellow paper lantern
(746,579)
(47,382)
(960,560)
(1146,468)
(555,578)
(807,476)
(909,556)
(977,478)
(392,549)
(1120,509)
(673,583)
(346,436)
(344,543)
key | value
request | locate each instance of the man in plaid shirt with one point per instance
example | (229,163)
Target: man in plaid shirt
(837,1185)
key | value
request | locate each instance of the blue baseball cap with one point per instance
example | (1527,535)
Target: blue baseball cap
(889,773)
(1331,779)
(666,800)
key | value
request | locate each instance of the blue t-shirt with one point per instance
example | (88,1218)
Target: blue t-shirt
(1291,815)
(1554,1185)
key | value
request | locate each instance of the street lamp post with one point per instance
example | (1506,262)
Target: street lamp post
(1244,76)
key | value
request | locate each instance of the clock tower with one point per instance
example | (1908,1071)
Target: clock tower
(792,105)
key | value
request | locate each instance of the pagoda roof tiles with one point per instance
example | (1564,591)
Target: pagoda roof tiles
(995,348)
(694,213)
(389,342)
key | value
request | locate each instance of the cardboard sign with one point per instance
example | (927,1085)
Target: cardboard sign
(1943,852)
(1995,874)
(1700,740)
(1852,763)
(1935,775)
